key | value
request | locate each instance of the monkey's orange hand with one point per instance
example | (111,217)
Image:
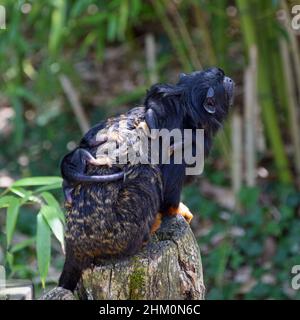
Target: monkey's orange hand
(183,210)
(157,223)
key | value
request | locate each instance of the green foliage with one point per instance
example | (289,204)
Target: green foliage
(50,219)
(250,254)
(43,245)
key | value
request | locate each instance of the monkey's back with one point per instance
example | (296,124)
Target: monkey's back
(113,219)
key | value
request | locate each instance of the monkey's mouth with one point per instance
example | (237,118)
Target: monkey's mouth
(229,88)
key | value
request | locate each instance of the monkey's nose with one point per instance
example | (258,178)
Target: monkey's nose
(228,81)
(229,87)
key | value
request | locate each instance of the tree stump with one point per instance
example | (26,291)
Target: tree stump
(169,267)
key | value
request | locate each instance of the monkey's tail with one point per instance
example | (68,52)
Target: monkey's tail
(73,268)
(77,177)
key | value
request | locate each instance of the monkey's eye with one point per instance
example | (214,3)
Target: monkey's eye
(210,92)
(220,73)
(209,103)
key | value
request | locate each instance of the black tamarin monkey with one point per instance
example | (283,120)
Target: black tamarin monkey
(113,218)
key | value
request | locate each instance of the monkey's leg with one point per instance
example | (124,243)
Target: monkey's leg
(157,223)
(155,226)
(67,194)
(183,210)
(173,175)
(143,126)
(86,156)
(67,190)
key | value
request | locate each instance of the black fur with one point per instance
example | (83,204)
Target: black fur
(181,106)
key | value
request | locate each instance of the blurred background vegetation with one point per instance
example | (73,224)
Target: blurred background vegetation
(65,65)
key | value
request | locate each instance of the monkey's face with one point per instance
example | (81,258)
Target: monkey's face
(199,100)
(208,95)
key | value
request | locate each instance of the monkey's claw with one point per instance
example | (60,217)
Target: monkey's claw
(184,211)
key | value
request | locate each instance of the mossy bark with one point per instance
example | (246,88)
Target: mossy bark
(169,267)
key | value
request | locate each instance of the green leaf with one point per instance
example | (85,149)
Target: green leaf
(78,8)
(27,95)
(37,181)
(57,25)
(23,244)
(273,228)
(123,18)
(50,187)
(22,193)
(112,28)
(6,201)
(51,201)
(249,196)
(53,219)
(94,20)
(11,219)
(43,246)
(10,259)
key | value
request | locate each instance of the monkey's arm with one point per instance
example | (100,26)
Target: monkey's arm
(173,178)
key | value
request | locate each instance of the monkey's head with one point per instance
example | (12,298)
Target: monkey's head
(200,99)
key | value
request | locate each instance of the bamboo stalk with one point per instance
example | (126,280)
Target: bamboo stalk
(57,24)
(265,93)
(219,35)
(237,152)
(185,36)
(294,44)
(247,24)
(250,105)
(272,127)
(150,51)
(176,43)
(260,135)
(292,103)
(75,103)
(207,41)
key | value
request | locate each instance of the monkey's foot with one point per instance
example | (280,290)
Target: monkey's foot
(143,126)
(183,210)
(157,223)
(102,161)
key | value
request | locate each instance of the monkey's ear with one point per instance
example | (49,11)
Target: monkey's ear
(182,75)
(151,119)
(157,106)
(210,101)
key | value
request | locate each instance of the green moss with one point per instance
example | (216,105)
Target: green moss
(137,283)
